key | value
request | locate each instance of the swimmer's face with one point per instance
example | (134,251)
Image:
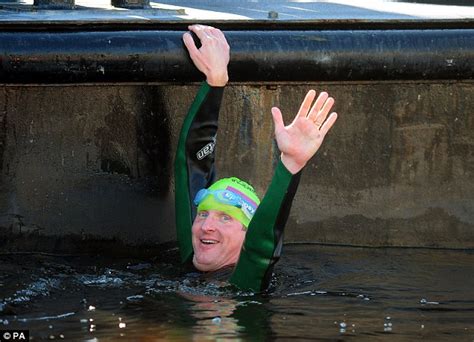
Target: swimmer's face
(217,240)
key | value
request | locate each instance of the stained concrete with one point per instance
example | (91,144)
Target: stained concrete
(91,162)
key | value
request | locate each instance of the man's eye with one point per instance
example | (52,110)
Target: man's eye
(203,214)
(226,218)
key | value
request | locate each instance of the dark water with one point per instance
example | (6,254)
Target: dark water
(324,293)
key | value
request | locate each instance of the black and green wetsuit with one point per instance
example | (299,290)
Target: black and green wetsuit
(194,170)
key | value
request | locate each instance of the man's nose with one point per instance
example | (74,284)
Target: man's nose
(209,224)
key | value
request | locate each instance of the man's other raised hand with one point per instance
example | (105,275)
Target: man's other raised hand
(300,140)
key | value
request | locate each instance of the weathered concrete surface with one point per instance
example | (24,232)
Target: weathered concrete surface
(95,162)
(86,160)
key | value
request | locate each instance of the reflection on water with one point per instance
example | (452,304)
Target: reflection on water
(318,292)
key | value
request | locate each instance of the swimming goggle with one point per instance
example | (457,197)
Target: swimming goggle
(227,197)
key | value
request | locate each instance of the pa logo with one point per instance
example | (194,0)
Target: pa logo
(12,335)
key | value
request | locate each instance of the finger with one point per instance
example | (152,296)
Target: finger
(318,105)
(323,113)
(198,30)
(328,123)
(219,34)
(277,118)
(189,43)
(209,31)
(306,104)
(194,52)
(201,26)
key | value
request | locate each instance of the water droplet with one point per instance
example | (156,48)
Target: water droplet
(423,301)
(91,308)
(343,325)
(122,325)
(216,320)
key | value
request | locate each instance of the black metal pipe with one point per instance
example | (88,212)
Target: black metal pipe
(264,56)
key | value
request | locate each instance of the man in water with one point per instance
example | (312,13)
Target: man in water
(223,226)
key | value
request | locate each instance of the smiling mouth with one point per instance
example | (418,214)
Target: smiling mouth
(208,242)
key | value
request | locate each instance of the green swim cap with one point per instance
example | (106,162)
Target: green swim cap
(232,196)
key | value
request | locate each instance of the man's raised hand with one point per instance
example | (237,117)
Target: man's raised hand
(300,140)
(213,56)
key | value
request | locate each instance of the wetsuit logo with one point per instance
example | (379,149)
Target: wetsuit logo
(206,150)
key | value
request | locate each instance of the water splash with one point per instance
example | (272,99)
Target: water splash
(424,301)
(40,287)
(387,326)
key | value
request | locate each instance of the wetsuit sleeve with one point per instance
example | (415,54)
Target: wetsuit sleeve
(194,161)
(264,238)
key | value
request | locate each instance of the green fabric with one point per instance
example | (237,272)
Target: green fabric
(183,203)
(260,242)
(210,203)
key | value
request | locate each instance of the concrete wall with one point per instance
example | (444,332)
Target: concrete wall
(94,162)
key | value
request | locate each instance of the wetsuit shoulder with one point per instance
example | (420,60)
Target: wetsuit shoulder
(264,238)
